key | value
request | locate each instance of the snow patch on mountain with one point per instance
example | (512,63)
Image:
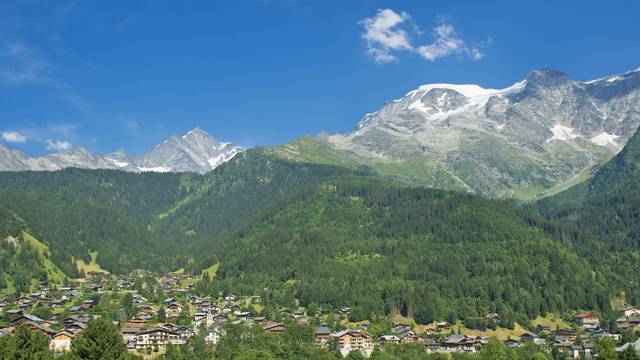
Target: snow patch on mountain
(604,139)
(118,163)
(561,132)
(222,158)
(160,169)
(477,95)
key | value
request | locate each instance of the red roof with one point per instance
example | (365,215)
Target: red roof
(585,315)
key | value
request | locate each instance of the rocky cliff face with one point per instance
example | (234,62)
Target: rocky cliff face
(544,132)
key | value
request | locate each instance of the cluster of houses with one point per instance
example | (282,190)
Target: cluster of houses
(565,340)
(147,331)
(60,342)
(630,319)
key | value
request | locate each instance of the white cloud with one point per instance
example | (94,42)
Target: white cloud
(384,35)
(446,43)
(13,137)
(58,145)
(476,54)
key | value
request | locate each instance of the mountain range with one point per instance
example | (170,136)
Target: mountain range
(537,136)
(532,139)
(196,151)
(334,236)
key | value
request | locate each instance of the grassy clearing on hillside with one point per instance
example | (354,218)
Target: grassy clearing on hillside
(552,319)
(308,149)
(9,290)
(212,270)
(500,333)
(618,302)
(53,272)
(91,266)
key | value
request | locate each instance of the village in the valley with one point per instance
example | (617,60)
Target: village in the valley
(148,327)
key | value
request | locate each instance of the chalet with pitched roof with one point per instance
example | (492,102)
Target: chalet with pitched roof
(322,334)
(274,328)
(587,320)
(61,342)
(354,340)
(388,339)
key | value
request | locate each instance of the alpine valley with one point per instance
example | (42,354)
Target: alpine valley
(489,211)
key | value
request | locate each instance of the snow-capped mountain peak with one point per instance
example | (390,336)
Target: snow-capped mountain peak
(542,130)
(437,102)
(195,151)
(192,151)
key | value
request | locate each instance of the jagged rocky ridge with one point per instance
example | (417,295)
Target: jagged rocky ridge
(539,135)
(195,151)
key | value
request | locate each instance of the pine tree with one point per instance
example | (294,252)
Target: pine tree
(127,304)
(100,340)
(494,350)
(184,318)
(606,349)
(162,315)
(27,345)
(629,354)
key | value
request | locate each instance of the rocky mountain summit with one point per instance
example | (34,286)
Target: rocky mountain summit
(195,151)
(540,134)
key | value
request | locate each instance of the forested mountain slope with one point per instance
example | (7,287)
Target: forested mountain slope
(24,261)
(149,220)
(77,211)
(383,248)
(240,189)
(333,235)
(601,218)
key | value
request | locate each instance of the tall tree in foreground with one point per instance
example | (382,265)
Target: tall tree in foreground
(25,345)
(99,341)
(495,350)
(606,349)
(629,354)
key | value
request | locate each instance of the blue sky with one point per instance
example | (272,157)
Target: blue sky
(127,74)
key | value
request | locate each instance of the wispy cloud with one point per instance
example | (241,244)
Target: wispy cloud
(13,137)
(19,64)
(23,65)
(386,33)
(58,145)
(28,54)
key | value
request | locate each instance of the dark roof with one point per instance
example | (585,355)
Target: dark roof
(529,335)
(29,318)
(454,339)
(41,327)
(322,330)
